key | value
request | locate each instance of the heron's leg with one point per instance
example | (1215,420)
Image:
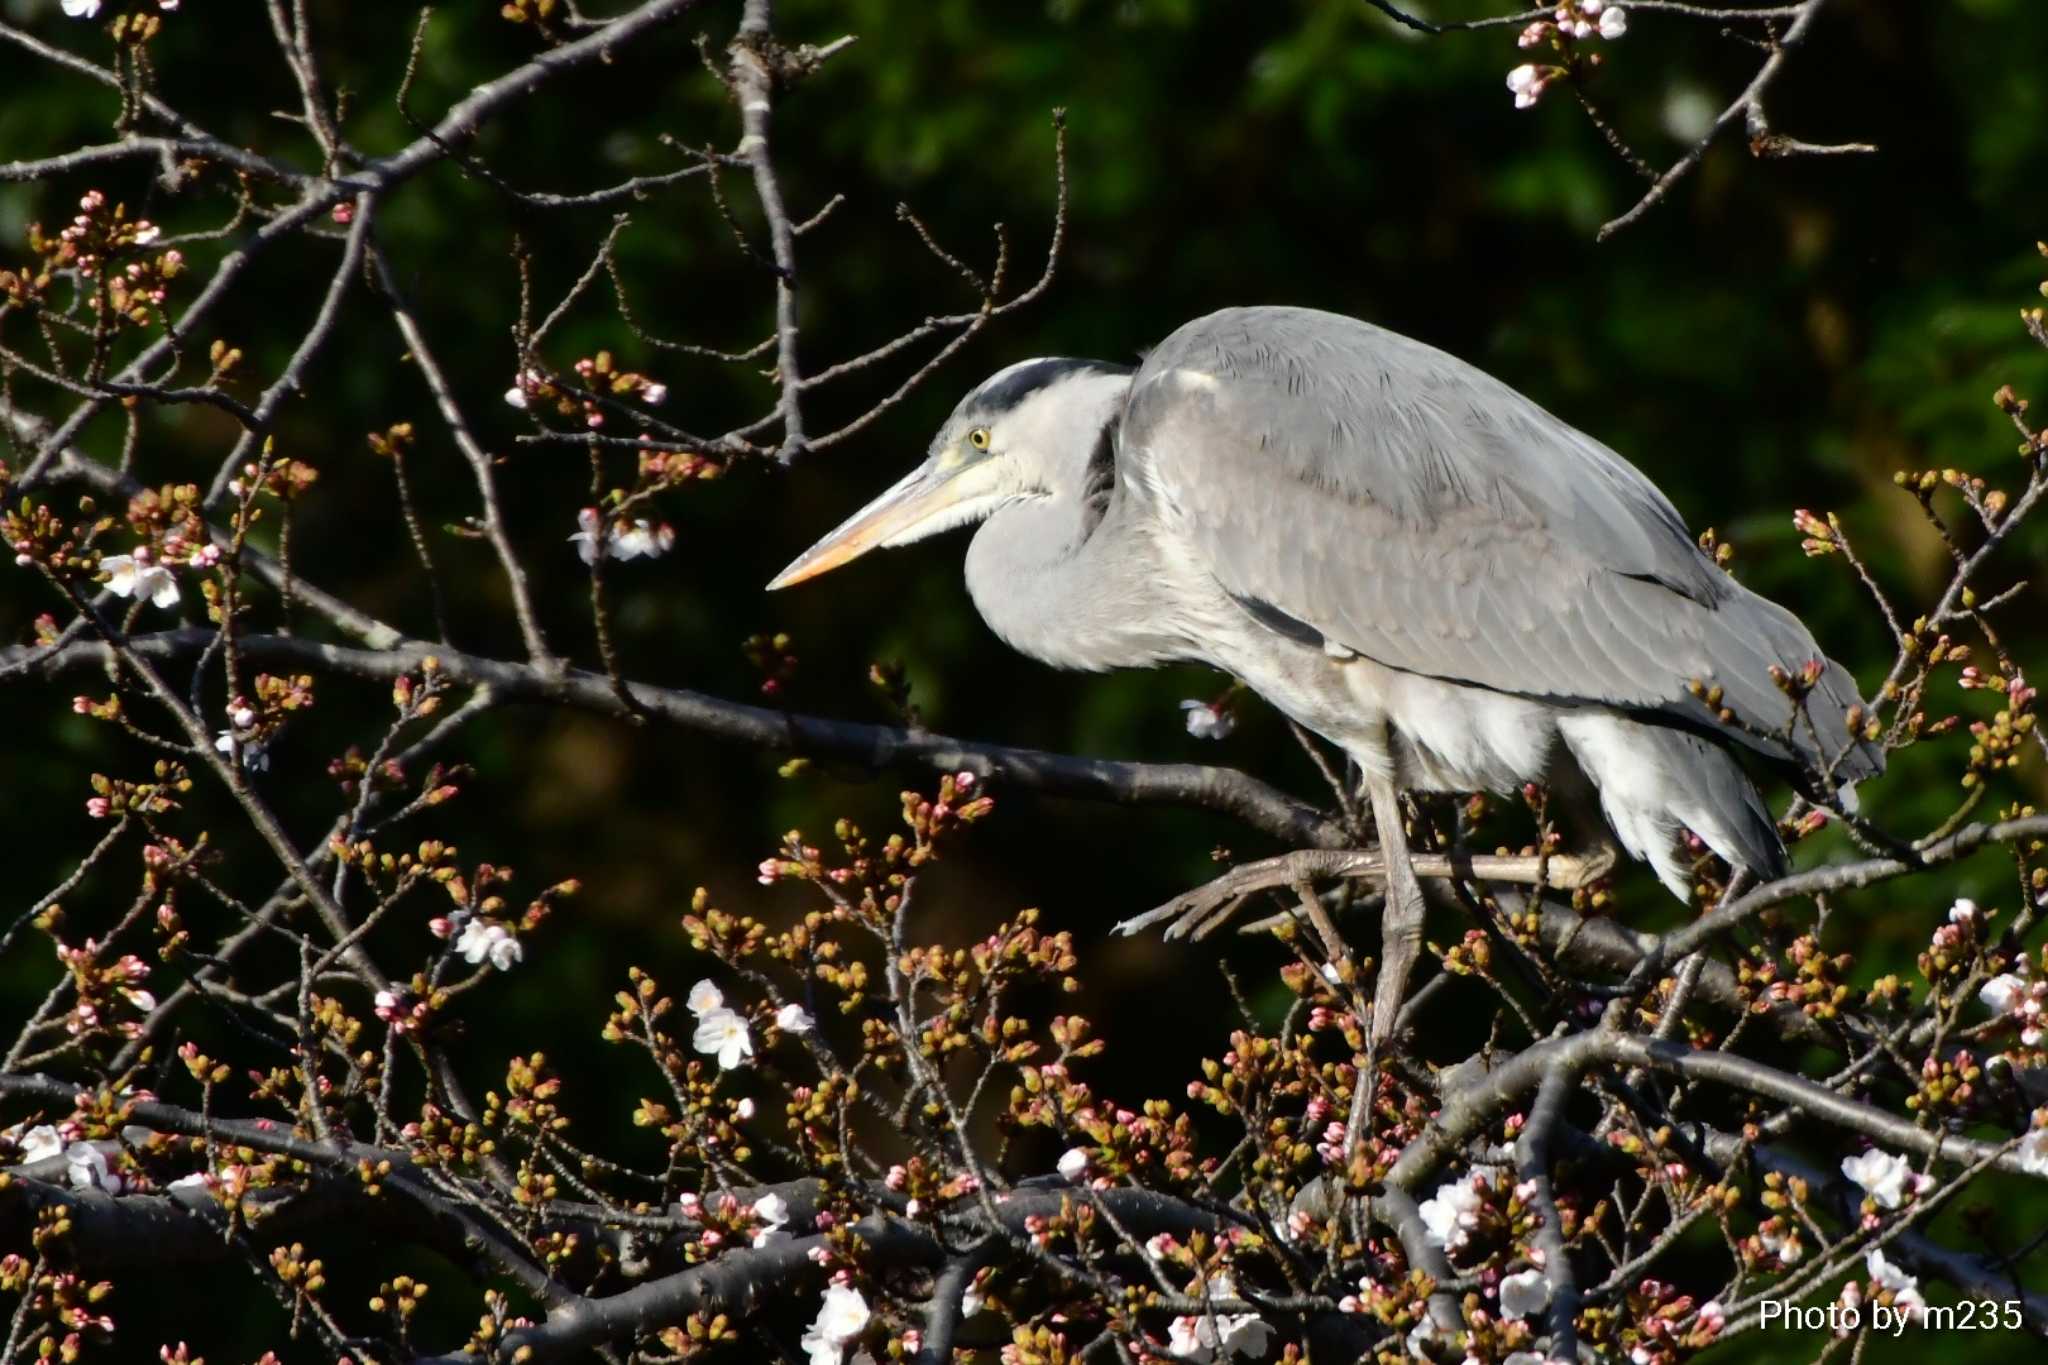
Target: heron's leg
(1401,921)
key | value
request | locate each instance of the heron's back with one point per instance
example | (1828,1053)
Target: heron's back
(1404,505)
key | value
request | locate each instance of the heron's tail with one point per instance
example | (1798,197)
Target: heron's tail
(1655,780)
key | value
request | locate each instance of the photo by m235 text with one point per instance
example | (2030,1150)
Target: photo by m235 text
(1893,1319)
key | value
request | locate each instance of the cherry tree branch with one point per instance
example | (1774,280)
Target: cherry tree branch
(876,747)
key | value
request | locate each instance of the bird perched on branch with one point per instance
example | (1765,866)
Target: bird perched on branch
(1403,555)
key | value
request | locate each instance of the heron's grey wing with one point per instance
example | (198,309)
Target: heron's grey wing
(1416,510)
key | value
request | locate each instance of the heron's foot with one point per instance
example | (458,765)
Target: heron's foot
(1201,912)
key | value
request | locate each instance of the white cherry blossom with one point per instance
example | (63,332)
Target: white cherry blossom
(842,1317)
(139,576)
(723,1034)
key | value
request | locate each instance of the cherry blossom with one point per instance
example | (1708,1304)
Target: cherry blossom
(1073,1164)
(523,385)
(80,9)
(139,576)
(723,1034)
(1884,1177)
(590,522)
(643,540)
(638,539)
(2033,1152)
(1527,82)
(1218,1336)
(1449,1216)
(704,998)
(773,1211)
(479,940)
(1208,720)
(1524,1294)
(1781,1239)
(2002,993)
(254,758)
(1905,1290)
(39,1143)
(843,1316)
(89,1169)
(794,1019)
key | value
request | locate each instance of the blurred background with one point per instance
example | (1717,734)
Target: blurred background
(1778,334)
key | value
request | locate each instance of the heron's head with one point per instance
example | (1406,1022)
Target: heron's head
(1026,432)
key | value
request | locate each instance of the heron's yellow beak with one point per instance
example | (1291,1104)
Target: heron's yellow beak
(924,501)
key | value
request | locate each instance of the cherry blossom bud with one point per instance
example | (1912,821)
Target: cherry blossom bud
(1526,82)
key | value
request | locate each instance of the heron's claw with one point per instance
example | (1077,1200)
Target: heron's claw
(1195,915)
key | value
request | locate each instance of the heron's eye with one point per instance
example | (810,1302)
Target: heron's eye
(978,438)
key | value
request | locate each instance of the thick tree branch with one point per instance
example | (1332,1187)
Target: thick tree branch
(1223,790)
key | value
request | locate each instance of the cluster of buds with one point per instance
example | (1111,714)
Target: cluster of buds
(2000,742)
(665,468)
(527,11)
(39,535)
(1572,22)
(1820,535)
(774,658)
(281,477)
(1816,986)
(1955,944)
(1949,1086)
(1777,1242)
(1658,1325)
(108,996)
(97,233)
(601,378)
(1797,683)
(138,289)
(955,808)
(1575,19)
(529,1099)
(405,1009)
(86,244)
(118,796)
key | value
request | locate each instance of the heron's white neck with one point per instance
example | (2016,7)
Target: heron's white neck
(1072,584)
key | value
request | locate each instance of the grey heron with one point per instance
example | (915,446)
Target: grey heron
(1400,553)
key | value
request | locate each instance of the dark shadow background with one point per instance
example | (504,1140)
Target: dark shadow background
(1778,334)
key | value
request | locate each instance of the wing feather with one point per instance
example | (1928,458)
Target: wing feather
(1422,513)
